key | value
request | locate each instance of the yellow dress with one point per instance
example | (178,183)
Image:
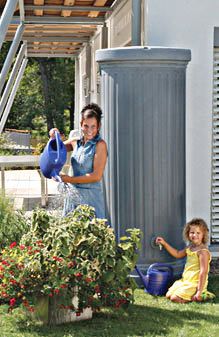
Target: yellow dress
(186,287)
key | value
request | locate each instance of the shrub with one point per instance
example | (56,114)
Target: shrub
(12,223)
(75,252)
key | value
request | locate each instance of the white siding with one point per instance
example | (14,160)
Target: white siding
(215,152)
(190,24)
(119,25)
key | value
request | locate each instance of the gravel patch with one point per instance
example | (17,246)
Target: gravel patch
(54,206)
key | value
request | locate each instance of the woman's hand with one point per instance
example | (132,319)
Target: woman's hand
(52,132)
(65,178)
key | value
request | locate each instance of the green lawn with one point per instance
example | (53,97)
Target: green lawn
(148,316)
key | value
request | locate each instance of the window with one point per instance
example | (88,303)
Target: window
(215,152)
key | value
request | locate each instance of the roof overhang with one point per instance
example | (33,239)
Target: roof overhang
(57,28)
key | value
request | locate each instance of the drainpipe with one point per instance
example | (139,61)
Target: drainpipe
(136,22)
(88,74)
(104,42)
(77,94)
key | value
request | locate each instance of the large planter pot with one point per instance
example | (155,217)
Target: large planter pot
(48,310)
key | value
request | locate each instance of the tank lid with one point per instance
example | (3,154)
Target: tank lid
(143,53)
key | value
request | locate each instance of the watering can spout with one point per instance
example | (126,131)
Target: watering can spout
(143,277)
(55,176)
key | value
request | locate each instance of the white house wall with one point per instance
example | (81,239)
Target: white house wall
(190,24)
(119,34)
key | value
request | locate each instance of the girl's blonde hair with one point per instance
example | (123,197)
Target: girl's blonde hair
(201,224)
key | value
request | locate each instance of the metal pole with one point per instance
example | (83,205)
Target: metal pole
(136,22)
(6,18)
(143,22)
(104,37)
(21,8)
(12,96)
(88,73)
(11,54)
(77,95)
(10,81)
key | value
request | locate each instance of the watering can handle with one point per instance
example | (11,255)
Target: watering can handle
(57,144)
(161,265)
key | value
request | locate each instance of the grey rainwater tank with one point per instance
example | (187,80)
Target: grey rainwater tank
(143,99)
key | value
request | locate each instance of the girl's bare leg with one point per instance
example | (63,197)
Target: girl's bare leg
(177,299)
(168,295)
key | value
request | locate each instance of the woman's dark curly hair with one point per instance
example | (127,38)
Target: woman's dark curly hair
(199,223)
(91,110)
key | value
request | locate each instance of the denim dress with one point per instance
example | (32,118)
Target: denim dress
(92,193)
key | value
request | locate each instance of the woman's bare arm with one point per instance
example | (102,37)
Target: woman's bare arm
(100,158)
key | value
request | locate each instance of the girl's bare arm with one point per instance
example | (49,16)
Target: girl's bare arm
(172,251)
(204,261)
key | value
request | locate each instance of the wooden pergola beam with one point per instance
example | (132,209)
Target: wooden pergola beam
(68,8)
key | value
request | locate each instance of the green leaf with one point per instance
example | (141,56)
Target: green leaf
(108,276)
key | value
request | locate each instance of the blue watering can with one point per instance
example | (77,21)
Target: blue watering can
(53,158)
(157,279)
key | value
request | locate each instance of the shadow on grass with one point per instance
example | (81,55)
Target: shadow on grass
(148,317)
(137,320)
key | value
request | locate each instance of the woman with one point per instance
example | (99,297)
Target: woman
(88,162)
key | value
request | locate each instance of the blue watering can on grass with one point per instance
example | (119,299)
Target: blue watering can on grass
(158,278)
(53,158)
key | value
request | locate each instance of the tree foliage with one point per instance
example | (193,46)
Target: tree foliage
(45,96)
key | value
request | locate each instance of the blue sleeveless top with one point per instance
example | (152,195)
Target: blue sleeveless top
(92,193)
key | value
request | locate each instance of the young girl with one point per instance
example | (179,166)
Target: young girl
(193,284)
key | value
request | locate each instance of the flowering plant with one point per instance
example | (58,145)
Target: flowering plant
(75,252)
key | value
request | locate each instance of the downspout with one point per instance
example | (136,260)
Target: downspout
(136,23)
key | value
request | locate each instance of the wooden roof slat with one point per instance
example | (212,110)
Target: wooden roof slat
(43,49)
(67,3)
(38,11)
(49,35)
(54,27)
(54,55)
(96,4)
(62,44)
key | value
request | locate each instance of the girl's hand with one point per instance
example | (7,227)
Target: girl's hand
(160,241)
(197,297)
(52,132)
